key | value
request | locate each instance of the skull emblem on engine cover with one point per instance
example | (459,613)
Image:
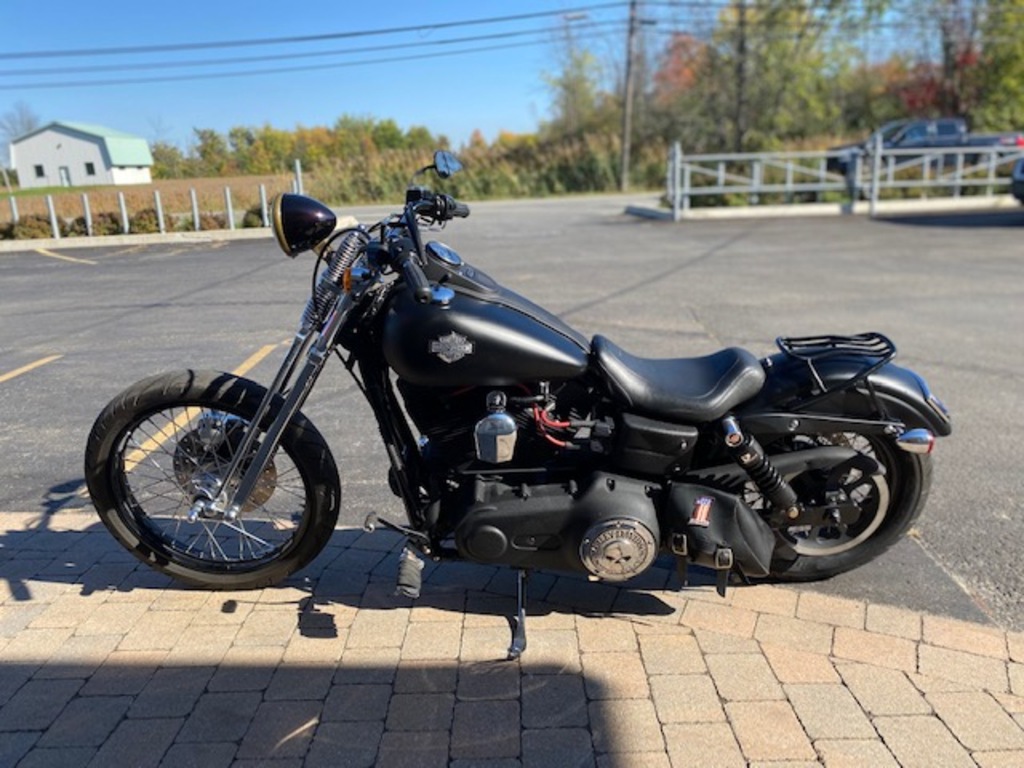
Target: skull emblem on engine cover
(616,550)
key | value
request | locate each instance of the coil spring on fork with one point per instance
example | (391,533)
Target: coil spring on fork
(329,283)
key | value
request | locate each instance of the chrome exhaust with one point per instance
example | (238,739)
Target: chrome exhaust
(916,441)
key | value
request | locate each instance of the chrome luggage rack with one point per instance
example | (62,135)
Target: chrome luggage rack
(875,348)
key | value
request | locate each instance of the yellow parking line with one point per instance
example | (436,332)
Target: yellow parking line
(72,259)
(254,359)
(30,367)
(182,420)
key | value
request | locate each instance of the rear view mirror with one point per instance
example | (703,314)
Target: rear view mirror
(446,164)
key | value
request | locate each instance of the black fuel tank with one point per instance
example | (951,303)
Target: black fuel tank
(497,340)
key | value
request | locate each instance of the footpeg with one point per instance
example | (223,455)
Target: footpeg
(372,522)
(410,574)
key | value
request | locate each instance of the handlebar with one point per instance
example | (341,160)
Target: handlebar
(403,256)
(439,207)
(403,252)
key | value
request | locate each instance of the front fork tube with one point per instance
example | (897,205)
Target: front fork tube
(316,350)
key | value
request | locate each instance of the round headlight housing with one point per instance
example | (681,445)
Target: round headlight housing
(300,223)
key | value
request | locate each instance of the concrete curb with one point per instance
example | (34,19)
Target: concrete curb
(108,241)
(860,208)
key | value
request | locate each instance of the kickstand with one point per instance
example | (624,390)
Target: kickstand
(518,622)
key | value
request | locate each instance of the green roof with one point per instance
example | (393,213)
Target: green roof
(122,148)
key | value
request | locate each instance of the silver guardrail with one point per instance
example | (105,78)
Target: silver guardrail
(840,176)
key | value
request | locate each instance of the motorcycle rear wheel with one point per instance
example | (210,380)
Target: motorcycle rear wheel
(881,508)
(163,438)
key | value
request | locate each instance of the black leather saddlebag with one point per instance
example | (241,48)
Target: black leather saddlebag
(721,531)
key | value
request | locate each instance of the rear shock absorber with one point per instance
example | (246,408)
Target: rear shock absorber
(748,453)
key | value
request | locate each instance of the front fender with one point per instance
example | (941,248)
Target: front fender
(892,396)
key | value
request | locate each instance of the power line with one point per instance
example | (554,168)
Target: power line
(272,71)
(289,56)
(302,38)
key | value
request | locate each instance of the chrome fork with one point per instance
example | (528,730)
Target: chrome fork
(316,349)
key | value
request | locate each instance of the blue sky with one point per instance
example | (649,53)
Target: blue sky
(495,87)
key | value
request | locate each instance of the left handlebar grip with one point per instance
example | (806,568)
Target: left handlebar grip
(418,282)
(403,254)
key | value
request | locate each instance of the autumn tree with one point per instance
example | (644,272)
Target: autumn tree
(768,71)
(580,100)
(168,161)
(15,122)
(212,153)
(1001,68)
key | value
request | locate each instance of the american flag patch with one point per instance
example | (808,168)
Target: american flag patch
(701,514)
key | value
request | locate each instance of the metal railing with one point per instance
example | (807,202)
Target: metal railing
(838,176)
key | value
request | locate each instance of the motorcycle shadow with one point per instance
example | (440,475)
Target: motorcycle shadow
(70,552)
(360,574)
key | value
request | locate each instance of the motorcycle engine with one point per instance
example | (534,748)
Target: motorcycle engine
(607,528)
(458,422)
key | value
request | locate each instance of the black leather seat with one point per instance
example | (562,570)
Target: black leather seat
(693,390)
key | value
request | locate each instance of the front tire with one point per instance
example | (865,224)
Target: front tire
(879,511)
(163,438)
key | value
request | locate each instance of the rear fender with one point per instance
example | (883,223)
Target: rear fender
(891,400)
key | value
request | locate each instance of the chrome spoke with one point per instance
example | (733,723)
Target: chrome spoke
(170,456)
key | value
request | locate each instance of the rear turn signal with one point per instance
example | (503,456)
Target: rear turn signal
(916,441)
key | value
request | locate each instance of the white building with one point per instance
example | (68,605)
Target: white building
(75,154)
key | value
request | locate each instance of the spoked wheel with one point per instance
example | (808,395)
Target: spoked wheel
(853,512)
(170,439)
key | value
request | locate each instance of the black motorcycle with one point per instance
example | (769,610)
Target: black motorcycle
(512,438)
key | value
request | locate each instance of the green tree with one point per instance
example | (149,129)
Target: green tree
(770,72)
(273,150)
(579,103)
(211,149)
(168,161)
(242,141)
(387,135)
(1001,70)
(419,138)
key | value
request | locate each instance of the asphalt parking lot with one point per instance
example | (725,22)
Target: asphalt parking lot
(77,326)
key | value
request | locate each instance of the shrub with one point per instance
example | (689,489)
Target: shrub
(103,223)
(145,222)
(76,227)
(253,217)
(212,221)
(106,223)
(32,227)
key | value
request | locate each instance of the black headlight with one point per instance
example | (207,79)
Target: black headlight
(300,222)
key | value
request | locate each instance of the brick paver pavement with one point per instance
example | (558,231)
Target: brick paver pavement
(106,663)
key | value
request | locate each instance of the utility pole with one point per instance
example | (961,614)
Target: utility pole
(741,79)
(627,106)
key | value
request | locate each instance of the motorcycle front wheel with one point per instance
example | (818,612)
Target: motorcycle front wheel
(162,440)
(859,514)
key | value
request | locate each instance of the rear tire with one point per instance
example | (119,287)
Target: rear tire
(882,509)
(157,441)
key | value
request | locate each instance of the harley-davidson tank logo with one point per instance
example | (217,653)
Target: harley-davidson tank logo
(452,348)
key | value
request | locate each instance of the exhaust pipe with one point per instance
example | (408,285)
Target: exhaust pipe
(916,441)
